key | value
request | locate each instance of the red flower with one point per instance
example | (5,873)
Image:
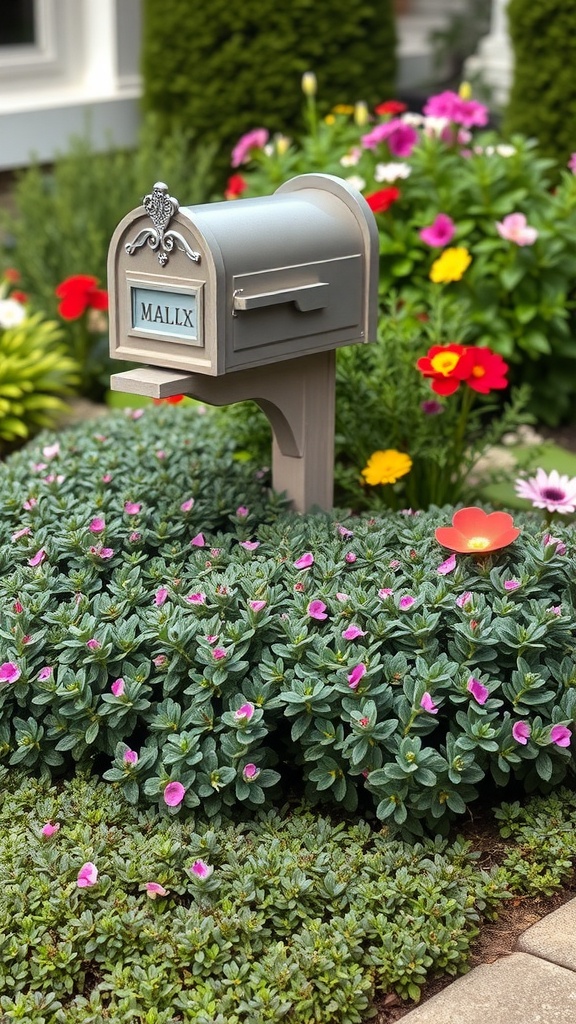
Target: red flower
(390,107)
(447,365)
(20,297)
(380,201)
(11,275)
(474,531)
(172,400)
(78,294)
(235,187)
(487,372)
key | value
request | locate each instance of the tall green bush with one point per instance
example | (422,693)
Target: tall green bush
(543,97)
(226,68)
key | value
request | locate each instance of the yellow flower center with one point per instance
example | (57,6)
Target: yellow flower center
(445,362)
(478,543)
(478,371)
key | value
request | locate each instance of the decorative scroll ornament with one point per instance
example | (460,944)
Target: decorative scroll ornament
(161,207)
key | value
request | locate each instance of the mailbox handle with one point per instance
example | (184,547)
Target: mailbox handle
(304,297)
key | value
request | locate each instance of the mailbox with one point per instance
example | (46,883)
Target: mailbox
(234,285)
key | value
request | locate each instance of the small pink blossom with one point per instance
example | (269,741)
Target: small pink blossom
(198,598)
(130,757)
(101,552)
(342,597)
(245,712)
(50,829)
(254,139)
(406,602)
(560,735)
(160,454)
(9,672)
(317,610)
(257,606)
(572,163)
(242,511)
(440,232)
(174,794)
(447,566)
(134,537)
(51,451)
(514,228)
(107,478)
(52,478)
(187,505)
(556,609)
(87,876)
(353,631)
(154,889)
(400,137)
(97,525)
(93,644)
(464,599)
(45,673)
(159,660)
(305,561)
(118,687)
(385,592)
(132,508)
(250,772)
(212,638)
(134,414)
(18,607)
(39,466)
(350,557)
(428,704)
(160,596)
(219,653)
(200,869)
(198,541)
(21,533)
(355,676)
(38,558)
(364,722)
(521,732)
(547,539)
(344,532)
(29,504)
(250,545)
(449,105)
(511,584)
(394,564)
(478,690)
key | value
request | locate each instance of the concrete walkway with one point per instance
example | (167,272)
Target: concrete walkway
(534,985)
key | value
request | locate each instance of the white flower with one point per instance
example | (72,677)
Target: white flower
(356,181)
(390,172)
(12,313)
(351,159)
(435,125)
(503,149)
(413,119)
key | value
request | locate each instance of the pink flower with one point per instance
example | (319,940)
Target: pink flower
(198,541)
(107,478)
(211,638)
(130,757)
(174,794)
(198,598)
(478,691)
(9,672)
(87,876)
(154,889)
(132,508)
(342,597)
(521,732)
(97,525)
(428,704)
(242,511)
(399,136)
(556,609)
(430,407)
(352,632)
(350,557)
(21,533)
(44,673)
(257,606)
(160,454)
(101,552)
(250,545)
(50,829)
(317,610)
(160,660)
(560,735)
(344,532)
(200,869)
(464,599)
(187,505)
(134,537)
(254,139)
(305,561)
(38,558)
(356,675)
(51,451)
(385,592)
(250,772)
(450,105)
(118,688)
(511,584)
(18,607)
(245,712)
(219,653)
(560,545)
(160,596)
(29,504)
(572,163)
(93,644)
(514,228)
(447,566)
(363,722)
(406,602)
(440,232)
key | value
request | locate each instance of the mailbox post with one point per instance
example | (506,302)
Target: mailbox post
(249,300)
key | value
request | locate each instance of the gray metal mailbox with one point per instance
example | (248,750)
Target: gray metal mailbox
(224,292)
(224,286)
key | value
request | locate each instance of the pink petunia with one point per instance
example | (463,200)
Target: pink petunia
(245,712)
(160,596)
(447,566)
(29,504)
(464,599)
(97,525)
(250,772)
(130,757)
(198,541)
(305,561)
(174,794)
(560,735)
(560,545)
(250,545)
(18,607)
(198,598)
(93,644)
(9,672)
(38,558)
(478,690)
(400,137)
(257,606)
(242,511)
(440,232)
(187,505)
(118,688)
(355,676)
(132,508)
(514,228)
(24,532)
(385,592)
(317,610)
(87,876)
(572,163)
(353,631)
(254,139)
(428,704)
(154,889)
(219,653)
(51,451)
(342,597)
(200,869)
(406,602)
(345,532)
(45,673)
(511,584)
(350,557)
(50,829)
(521,732)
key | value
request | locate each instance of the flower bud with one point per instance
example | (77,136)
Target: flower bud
(309,84)
(361,115)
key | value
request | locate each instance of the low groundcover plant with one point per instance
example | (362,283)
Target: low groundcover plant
(173,631)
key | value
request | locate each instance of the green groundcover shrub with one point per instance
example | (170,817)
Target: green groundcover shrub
(163,624)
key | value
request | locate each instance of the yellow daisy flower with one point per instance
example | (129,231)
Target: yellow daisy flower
(385,467)
(450,266)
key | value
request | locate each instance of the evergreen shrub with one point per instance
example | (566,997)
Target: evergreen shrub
(162,623)
(542,102)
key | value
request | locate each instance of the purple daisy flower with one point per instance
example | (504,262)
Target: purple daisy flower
(551,491)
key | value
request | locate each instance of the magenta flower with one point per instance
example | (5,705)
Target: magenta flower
(350,557)
(160,596)
(212,638)
(38,558)
(161,454)
(514,228)
(154,889)
(198,598)
(97,525)
(478,691)
(130,757)
(44,673)
(29,504)
(93,644)
(9,672)
(521,732)
(305,561)
(107,478)
(51,451)
(50,829)
(353,631)
(572,163)
(560,545)
(355,676)
(101,552)
(187,505)
(440,232)
(406,602)
(87,876)
(200,869)
(400,137)
(174,794)
(257,606)
(242,511)
(132,508)
(21,533)
(447,566)
(245,712)
(250,772)
(317,610)
(430,407)
(560,735)
(250,545)
(551,491)
(118,688)
(464,599)
(450,105)
(385,592)
(511,584)
(134,537)
(254,139)
(198,541)
(219,653)
(428,704)
(18,607)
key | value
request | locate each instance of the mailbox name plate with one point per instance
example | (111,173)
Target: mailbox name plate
(173,314)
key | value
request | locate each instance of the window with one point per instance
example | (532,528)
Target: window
(17,26)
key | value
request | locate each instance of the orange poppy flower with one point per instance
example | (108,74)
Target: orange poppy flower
(476,532)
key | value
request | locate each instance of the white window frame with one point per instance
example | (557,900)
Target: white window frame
(43,55)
